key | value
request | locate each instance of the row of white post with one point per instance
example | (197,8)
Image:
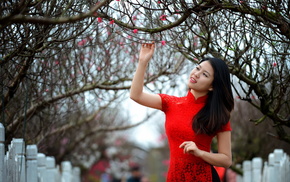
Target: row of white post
(276,169)
(20,164)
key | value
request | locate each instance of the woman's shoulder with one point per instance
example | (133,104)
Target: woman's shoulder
(170,97)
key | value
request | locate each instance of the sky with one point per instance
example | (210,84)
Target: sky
(147,134)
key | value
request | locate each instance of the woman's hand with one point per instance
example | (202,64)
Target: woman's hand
(136,91)
(222,158)
(146,52)
(190,147)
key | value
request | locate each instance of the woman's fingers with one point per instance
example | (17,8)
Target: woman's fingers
(185,143)
(149,45)
(188,147)
(182,145)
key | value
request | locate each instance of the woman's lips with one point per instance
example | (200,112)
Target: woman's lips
(192,80)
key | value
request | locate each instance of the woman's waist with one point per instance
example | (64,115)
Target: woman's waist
(187,158)
(176,150)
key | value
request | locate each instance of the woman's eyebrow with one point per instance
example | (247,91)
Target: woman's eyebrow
(204,70)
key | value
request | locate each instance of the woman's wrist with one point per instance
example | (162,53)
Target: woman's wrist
(145,63)
(200,153)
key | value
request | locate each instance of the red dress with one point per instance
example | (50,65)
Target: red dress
(179,112)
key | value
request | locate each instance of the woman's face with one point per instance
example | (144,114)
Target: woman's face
(201,78)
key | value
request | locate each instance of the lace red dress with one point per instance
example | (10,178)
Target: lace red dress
(179,112)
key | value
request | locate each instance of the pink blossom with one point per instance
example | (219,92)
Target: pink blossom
(274,64)
(121,44)
(163,42)
(99,19)
(129,37)
(82,42)
(159,2)
(135,31)
(112,22)
(117,0)
(134,17)
(163,17)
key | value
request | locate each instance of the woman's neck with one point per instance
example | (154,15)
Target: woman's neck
(197,94)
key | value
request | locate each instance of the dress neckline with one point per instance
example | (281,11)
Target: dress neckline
(199,100)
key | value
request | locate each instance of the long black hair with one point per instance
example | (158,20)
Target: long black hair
(220,102)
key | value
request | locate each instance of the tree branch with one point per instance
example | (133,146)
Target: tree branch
(20,18)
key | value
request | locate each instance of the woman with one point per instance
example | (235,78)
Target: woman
(192,121)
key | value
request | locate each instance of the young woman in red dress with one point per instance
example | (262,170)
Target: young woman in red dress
(193,120)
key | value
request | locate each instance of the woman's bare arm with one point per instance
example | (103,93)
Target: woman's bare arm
(224,156)
(136,92)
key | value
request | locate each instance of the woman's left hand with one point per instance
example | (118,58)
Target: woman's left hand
(190,147)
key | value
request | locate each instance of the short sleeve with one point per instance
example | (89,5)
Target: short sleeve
(226,127)
(165,99)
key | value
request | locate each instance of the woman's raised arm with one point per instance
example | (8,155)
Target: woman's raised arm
(136,92)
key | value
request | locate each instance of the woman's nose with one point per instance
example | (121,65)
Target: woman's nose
(197,73)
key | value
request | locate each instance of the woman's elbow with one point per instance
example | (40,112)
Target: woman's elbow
(228,163)
(134,97)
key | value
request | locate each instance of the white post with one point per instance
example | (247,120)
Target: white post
(257,169)
(76,174)
(20,159)
(278,154)
(66,168)
(31,157)
(287,176)
(2,151)
(265,172)
(9,164)
(271,175)
(41,166)
(247,171)
(50,174)
(283,167)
